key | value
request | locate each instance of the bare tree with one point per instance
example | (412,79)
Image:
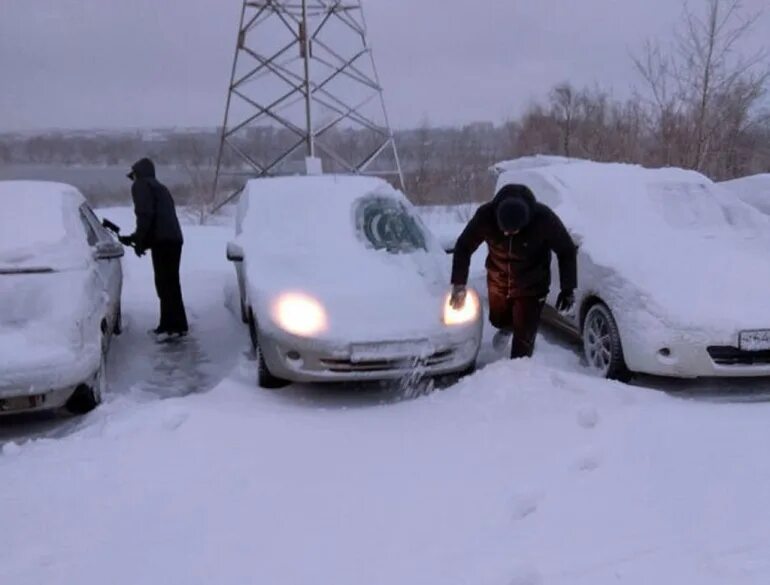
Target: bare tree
(563,106)
(696,84)
(199,168)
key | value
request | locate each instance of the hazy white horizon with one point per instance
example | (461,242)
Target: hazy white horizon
(109,64)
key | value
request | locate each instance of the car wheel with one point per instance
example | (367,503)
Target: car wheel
(447,380)
(244,313)
(252,324)
(88,396)
(265,378)
(117,328)
(602,345)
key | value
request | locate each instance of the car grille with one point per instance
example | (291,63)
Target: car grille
(732,356)
(341,366)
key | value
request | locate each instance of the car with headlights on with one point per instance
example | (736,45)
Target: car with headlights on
(339,280)
(60,287)
(673,270)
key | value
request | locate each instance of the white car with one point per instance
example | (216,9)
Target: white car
(753,190)
(673,270)
(60,285)
(340,281)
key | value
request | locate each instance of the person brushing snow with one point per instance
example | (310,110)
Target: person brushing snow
(158,230)
(521,235)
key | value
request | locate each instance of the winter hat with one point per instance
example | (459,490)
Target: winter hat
(513,214)
(142,169)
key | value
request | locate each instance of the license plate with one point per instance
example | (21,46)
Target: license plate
(755,340)
(390,350)
(21,403)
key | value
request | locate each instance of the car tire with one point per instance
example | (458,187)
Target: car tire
(445,381)
(88,396)
(602,346)
(244,313)
(265,378)
(117,327)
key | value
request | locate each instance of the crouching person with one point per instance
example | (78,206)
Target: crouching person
(521,235)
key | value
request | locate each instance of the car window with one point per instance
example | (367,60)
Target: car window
(100,231)
(90,233)
(385,223)
(688,205)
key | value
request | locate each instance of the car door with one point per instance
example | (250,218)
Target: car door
(107,252)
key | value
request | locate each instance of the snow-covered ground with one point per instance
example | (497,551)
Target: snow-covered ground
(526,473)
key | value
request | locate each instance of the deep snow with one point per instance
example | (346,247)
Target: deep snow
(753,190)
(57,238)
(526,473)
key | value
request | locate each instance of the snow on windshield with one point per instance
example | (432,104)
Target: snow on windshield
(40,225)
(386,224)
(343,241)
(688,205)
(318,216)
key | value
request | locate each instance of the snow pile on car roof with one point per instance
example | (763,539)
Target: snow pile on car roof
(532,162)
(684,243)
(39,225)
(754,190)
(293,204)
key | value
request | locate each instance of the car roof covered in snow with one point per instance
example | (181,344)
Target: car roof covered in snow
(754,190)
(304,203)
(608,189)
(532,162)
(39,224)
(330,188)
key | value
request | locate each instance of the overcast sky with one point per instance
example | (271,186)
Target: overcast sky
(150,63)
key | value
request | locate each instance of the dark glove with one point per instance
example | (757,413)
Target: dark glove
(457,300)
(139,251)
(565,301)
(126,240)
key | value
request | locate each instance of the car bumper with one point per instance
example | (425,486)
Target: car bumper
(313,361)
(711,360)
(48,387)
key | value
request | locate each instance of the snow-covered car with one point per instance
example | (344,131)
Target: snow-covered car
(673,270)
(340,281)
(753,190)
(60,286)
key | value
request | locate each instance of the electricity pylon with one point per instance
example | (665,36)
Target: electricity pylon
(304,87)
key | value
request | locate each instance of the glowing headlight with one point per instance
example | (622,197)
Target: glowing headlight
(299,314)
(469,311)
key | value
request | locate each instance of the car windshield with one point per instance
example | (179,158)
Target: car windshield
(689,205)
(385,223)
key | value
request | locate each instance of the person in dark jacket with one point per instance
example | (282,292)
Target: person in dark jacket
(157,230)
(521,235)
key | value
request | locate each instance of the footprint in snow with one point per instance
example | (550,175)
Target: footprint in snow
(588,461)
(588,417)
(525,574)
(525,504)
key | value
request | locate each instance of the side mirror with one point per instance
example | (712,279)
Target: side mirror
(578,239)
(108,251)
(234,252)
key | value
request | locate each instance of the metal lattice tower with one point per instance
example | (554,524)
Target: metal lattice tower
(304,85)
